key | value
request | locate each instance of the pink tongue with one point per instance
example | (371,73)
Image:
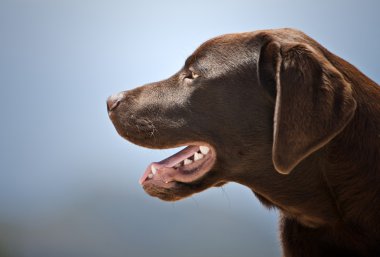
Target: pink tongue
(171,161)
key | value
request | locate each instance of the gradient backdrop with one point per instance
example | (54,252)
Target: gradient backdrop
(68,182)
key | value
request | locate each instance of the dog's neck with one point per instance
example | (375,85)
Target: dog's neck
(358,145)
(352,164)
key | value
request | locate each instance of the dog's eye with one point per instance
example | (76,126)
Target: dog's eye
(192,75)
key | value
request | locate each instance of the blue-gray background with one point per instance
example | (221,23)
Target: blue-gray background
(68,182)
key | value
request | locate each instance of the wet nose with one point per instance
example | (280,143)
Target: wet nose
(113,101)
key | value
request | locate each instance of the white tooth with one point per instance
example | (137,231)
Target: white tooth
(204,149)
(150,175)
(177,165)
(198,156)
(187,161)
(154,170)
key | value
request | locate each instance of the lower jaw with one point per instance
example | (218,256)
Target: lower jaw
(186,166)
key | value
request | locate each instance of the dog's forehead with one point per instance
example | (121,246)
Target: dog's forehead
(223,45)
(225,52)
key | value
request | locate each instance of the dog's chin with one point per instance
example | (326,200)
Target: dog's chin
(172,191)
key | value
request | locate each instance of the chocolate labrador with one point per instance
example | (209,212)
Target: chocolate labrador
(277,112)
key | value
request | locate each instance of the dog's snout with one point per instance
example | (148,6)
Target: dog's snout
(113,101)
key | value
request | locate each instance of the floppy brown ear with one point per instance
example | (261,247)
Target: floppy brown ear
(313,102)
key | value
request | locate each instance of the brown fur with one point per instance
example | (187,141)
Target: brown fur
(271,103)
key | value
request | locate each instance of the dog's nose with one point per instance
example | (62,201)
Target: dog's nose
(113,101)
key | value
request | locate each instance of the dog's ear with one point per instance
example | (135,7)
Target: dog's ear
(313,101)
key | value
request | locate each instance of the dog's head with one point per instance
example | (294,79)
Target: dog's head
(242,103)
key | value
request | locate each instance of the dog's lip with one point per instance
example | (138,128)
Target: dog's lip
(164,171)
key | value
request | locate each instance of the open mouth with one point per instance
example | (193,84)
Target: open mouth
(186,166)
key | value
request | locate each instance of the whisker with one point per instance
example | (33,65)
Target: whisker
(226,196)
(195,201)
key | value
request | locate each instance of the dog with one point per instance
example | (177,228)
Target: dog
(277,112)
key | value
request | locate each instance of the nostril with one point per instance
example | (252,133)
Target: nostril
(113,101)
